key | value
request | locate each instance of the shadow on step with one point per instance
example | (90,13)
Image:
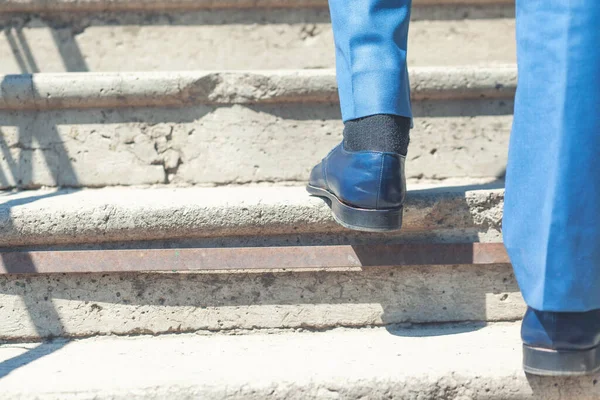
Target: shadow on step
(37,317)
(30,355)
(25,151)
(425,330)
(493,185)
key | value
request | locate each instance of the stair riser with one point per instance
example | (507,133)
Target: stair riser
(233,39)
(232,144)
(58,6)
(94,304)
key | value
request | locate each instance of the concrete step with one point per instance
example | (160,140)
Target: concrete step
(37,304)
(464,213)
(237,39)
(439,362)
(199,128)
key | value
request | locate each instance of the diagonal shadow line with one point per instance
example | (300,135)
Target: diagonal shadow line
(23,172)
(27,51)
(42,350)
(48,317)
(49,314)
(30,199)
(12,165)
(12,42)
(498,183)
(70,52)
(64,174)
(3,176)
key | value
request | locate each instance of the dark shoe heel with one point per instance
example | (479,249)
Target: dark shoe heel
(545,362)
(360,219)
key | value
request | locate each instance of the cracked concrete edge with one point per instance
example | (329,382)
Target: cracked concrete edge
(172,89)
(128,214)
(51,6)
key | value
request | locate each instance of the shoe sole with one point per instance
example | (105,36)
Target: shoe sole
(360,219)
(545,362)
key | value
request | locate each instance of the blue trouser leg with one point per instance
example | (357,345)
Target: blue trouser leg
(371,43)
(552,211)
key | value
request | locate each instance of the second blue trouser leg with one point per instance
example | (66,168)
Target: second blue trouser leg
(371,45)
(552,211)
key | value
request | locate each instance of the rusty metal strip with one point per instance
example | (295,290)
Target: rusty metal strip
(56,6)
(249,258)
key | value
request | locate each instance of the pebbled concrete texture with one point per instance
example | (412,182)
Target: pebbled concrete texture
(75,305)
(94,216)
(232,40)
(461,362)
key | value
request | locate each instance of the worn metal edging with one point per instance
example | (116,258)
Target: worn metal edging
(249,258)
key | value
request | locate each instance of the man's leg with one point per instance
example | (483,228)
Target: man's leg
(371,45)
(364,177)
(552,211)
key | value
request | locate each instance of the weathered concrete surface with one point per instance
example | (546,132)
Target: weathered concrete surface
(139,89)
(228,40)
(239,144)
(53,133)
(100,304)
(92,216)
(448,362)
(101,5)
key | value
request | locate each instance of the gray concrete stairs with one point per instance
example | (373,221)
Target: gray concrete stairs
(230,295)
(148,128)
(131,115)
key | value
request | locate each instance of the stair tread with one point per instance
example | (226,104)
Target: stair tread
(113,214)
(299,39)
(432,362)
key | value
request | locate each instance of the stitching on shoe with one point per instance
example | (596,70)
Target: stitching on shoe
(380,181)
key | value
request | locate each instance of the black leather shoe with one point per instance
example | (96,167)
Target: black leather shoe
(561,344)
(366,189)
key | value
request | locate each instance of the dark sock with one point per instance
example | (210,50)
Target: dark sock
(381,132)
